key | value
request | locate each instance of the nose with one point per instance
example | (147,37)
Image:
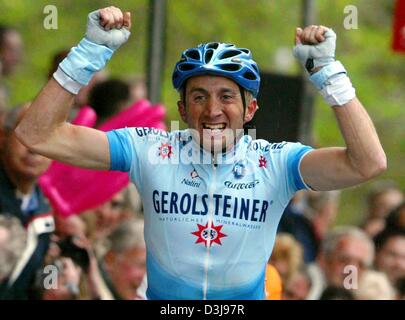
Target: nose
(213,108)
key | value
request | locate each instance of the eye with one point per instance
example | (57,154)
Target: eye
(228,97)
(198,98)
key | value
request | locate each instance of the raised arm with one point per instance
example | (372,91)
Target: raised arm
(363,158)
(44,129)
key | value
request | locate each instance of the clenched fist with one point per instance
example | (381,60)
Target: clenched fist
(315,46)
(109,27)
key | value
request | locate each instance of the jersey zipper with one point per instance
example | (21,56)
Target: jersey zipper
(209,226)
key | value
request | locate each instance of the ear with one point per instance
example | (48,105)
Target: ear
(182,110)
(251,110)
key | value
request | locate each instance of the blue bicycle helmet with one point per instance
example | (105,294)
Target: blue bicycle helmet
(222,59)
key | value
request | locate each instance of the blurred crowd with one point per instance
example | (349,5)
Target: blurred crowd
(100,254)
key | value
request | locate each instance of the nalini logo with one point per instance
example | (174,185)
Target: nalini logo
(239,170)
(209,234)
(194,174)
(262,162)
(165,150)
(195,180)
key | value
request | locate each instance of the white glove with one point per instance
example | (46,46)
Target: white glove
(315,49)
(95,49)
(96,33)
(321,54)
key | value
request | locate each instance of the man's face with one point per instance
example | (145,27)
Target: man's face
(385,202)
(20,162)
(297,288)
(127,271)
(349,252)
(110,214)
(11,52)
(390,259)
(214,108)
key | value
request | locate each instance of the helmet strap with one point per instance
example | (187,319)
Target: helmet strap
(242,94)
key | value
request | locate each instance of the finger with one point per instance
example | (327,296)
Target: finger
(127,20)
(298,33)
(311,38)
(319,35)
(117,14)
(104,16)
(105,19)
(306,33)
(111,20)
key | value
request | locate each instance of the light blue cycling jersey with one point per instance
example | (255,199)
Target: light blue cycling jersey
(210,222)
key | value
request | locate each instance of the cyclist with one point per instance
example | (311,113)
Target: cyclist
(212,196)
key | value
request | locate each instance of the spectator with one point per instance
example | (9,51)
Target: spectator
(383,198)
(108,98)
(103,220)
(137,89)
(125,261)
(78,276)
(342,247)
(396,218)
(287,256)
(400,289)
(336,293)
(374,285)
(69,226)
(298,286)
(273,283)
(390,254)
(309,224)
(21,197)
(11,48)
(12,243)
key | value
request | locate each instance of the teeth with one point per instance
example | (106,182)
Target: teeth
(214,126)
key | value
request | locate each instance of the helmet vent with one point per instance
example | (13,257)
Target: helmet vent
(187,66)
(193,54)
(230,66)
(247,51)
(230,53)
(255,67)
(208,55)
(212,45)
(249,75)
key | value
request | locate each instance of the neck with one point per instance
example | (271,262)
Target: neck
(23,184)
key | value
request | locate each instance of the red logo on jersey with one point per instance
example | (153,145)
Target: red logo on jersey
(165,150)
(209,235)
(262,162)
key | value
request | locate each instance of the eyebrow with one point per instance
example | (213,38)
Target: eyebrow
(221,90)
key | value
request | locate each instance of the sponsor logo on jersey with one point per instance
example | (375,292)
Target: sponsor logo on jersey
(262,162)
(209,234)
(241,185)
(146,132)
(195,180)
(239,170)
(224,206)
(165,150)
(194,174)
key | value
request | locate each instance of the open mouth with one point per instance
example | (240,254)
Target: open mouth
(214,128)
